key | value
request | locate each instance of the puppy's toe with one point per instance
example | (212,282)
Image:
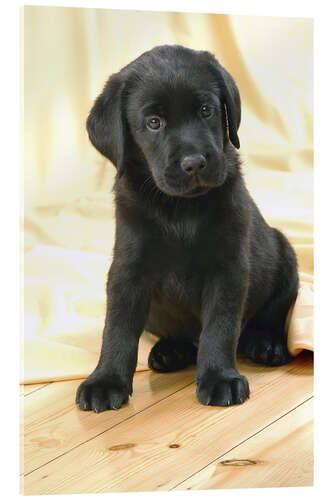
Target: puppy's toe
(101,394)
(280,355)
(266,347)
(216,388)
(169,355)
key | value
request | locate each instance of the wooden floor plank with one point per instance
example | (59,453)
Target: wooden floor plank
(53,425)
(175,438)
(28,389)
(281,455)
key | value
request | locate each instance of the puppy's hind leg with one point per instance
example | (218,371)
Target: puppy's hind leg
(264,339)
(265,346)
(178,331)
(169,355)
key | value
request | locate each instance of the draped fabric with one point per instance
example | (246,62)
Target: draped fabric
(67,55)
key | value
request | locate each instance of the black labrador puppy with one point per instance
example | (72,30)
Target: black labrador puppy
(194,260)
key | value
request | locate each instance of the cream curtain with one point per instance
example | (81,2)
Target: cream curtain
(67,55)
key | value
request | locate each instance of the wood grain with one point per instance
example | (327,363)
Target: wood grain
(53,425)
(280,455)
(171,440)
(28,389)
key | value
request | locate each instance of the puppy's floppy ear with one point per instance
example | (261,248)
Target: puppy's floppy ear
(106,124)
(231,103)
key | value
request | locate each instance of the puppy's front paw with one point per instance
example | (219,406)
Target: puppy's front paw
(222,388)
(101,392)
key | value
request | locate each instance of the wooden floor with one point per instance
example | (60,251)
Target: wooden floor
(163,439)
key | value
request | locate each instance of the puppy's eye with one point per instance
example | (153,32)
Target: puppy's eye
(206,111)
(154,123)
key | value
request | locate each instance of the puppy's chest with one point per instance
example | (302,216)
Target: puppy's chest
(182,230)
(186,254)
(179,287)
(181,275)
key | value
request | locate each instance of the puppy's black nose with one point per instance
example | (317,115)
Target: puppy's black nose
(193,164)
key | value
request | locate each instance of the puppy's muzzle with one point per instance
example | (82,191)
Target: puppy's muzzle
(193,164)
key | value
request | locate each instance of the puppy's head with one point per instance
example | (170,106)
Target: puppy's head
(180,109)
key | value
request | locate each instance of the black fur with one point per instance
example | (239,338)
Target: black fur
(194,260)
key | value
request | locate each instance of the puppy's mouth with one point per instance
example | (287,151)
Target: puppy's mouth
(194,192)
(197,191)
(195,188)
(198,188)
